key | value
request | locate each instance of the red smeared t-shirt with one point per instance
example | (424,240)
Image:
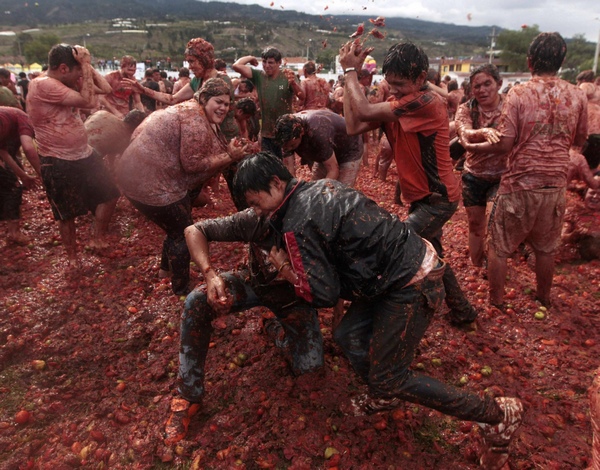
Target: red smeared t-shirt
(420,140)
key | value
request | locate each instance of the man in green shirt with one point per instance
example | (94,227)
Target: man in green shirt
(276,90)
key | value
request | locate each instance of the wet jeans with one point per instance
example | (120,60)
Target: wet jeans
(302,344)
(380,337)
(427,218)
(173,219)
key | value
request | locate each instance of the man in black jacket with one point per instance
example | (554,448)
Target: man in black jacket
(328,241)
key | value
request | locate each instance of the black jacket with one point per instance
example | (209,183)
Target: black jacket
(340,243)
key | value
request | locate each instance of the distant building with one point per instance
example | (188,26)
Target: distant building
(446,65)
(460,69)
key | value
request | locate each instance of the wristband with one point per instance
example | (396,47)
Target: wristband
(349,69)
(283,265)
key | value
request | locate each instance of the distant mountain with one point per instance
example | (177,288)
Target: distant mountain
(53,12)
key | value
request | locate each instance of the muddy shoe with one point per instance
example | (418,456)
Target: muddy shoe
(497,437)
(275,331)
(463,318)
(176,427)
(364,404)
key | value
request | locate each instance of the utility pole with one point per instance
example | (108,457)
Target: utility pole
(492,44)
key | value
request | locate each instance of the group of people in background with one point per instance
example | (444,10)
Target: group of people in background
(316,244)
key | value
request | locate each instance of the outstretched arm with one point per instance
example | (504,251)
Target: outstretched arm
(184,94)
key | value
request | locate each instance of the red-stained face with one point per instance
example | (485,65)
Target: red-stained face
(271,67)
(485,89)
(128,70)
(195,66)
(216,108)
(400,86)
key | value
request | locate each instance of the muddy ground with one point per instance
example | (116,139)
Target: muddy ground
(88,365)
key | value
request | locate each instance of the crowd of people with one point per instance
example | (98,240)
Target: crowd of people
(320,243)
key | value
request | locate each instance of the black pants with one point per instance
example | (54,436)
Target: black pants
(380,337)
(428,218)
(173,219)
(302,345)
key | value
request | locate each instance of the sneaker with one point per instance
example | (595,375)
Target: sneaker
(364,404)
(497,437)
(176,427)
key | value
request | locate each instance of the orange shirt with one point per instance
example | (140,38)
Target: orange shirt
(420,140)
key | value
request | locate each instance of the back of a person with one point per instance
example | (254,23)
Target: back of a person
(372,248)
(107,134)
(328,130)
(316,91)
(545,113)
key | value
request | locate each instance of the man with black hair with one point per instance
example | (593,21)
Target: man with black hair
(541,120)
(416,125)
(319,137)
(75,178)
(276,90)
(245,109)
(349,248)
(149,83)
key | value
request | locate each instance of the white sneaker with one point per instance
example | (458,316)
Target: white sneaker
(497,437)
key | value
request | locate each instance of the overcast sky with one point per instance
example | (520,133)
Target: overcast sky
(568,17)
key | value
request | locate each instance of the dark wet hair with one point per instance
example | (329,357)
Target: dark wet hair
(364,73)
(586,76)
(4,73)
(61,54)
(211,88)
(433,76)
(256,172)
(163,74)
(220,64)
(247,106)
(288,127)
(271,53)
(488,69)
(248,84)
(405,60)
(134,118)
(452,85)
(22,75)
(149,73)
(184,72)
(309,68)
(546,53)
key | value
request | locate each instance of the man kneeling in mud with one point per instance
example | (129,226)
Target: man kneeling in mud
(329,241)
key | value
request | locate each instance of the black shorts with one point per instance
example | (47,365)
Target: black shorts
(478,191)
(76,187)
(11,195)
